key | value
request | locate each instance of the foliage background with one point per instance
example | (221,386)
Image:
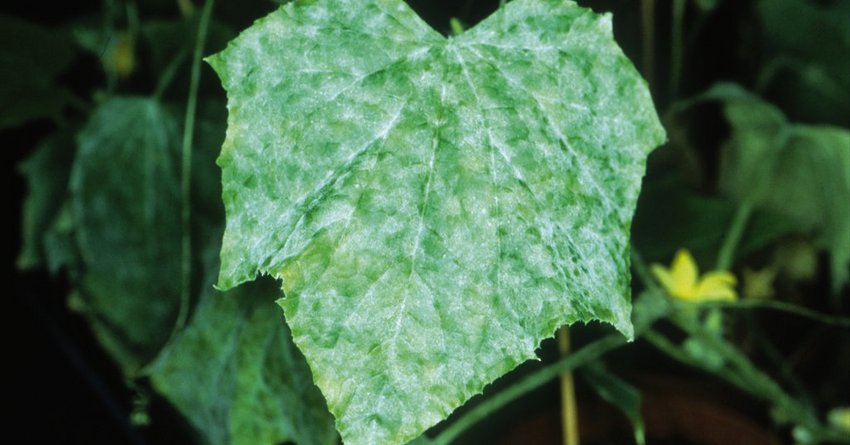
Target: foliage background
(65,389)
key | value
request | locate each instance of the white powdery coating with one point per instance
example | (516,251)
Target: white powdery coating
(434,207)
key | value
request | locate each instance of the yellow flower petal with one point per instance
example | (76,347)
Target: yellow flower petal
(682,280)
(685,272)
(720,277)
(664,277)
(717,285)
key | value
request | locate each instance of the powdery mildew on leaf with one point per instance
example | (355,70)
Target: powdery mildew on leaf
(125,204)
(433,207)
(238,378)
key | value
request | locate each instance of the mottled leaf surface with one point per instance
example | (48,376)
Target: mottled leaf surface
(434,207)
(234,372)
(126,218)
(237,376)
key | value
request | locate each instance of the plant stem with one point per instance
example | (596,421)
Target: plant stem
(569,408)
(186,169)
(456,26)
(676,45)
(782,306)
(648,32)
(726,255)
(109,8)
(168,74)
(588,353)
(639,265)
(739,371)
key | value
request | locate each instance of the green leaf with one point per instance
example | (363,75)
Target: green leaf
(671,216)
(807,43)
(801,172)
(60,245)
(617,392)
(434,207)
(46,172)
(125,189)
(31,57)
(236,375)
(234,372)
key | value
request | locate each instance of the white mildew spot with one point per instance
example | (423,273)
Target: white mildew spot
(439,206)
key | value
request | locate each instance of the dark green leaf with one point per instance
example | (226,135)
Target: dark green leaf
(236,375)
(46,171)
(60,244)
(125,189)
(799,171)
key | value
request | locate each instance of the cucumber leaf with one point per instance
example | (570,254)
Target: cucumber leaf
(433,207)
(800,172)
(236,375)
(46,172)
(126,214)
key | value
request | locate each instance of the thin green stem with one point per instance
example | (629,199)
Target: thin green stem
(109,9)
(676,45)
(456,26)
(648,33)
(569,408)
(739,371)
(133,25)
(168,74)
(726,255)
(186,169)
(782,306)
(639,266)
(586,354)
(666,346)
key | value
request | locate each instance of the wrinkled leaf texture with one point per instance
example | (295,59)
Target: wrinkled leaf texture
(114,227)
(434,207)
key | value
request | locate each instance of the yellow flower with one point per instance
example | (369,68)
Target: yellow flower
(682,280)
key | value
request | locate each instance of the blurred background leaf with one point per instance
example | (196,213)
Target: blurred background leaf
(47,170)
(807,45)
(236,375)
(125,201)
(31,58)
(801,172)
